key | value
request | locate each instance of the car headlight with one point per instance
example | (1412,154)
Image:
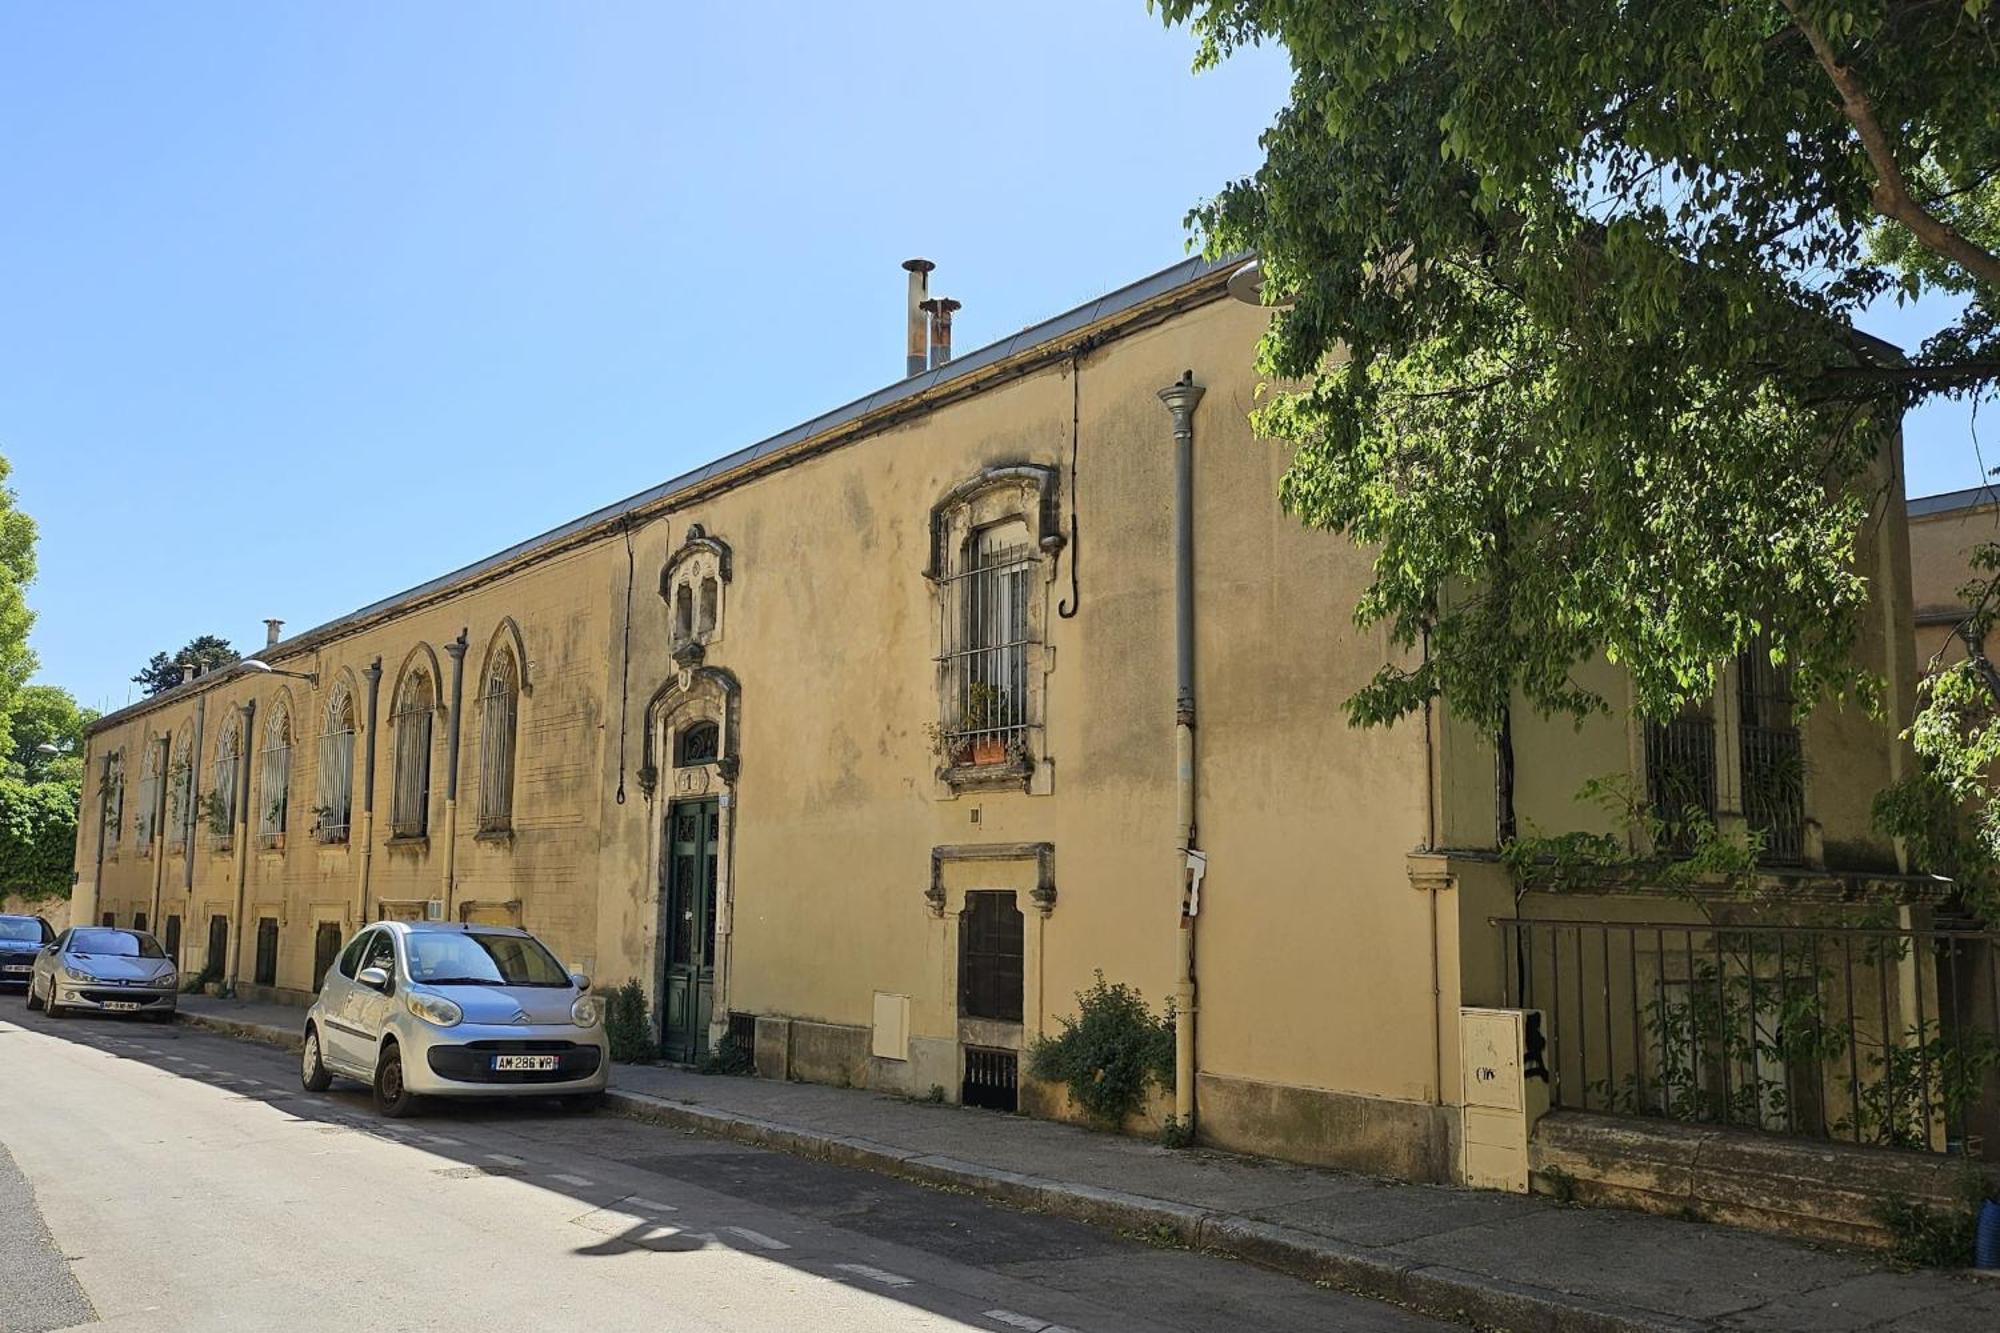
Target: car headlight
(433,1009)
(167,979)
(587,1012)
(75,975)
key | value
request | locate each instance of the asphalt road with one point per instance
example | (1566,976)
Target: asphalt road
(161,1178)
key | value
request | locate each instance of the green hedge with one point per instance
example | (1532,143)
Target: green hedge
(37,837)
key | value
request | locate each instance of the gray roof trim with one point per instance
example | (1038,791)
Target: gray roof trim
(1032,338)
(1948,501)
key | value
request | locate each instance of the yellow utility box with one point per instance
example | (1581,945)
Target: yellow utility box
(1506,1091)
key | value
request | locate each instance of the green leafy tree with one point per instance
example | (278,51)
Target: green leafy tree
(37,837)
(48,715)
(17,570)
(1566,337)
(205,653)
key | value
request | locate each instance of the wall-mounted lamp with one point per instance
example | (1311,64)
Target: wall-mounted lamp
(1246,284)
(258,664)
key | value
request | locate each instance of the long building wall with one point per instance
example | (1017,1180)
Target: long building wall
(846,838)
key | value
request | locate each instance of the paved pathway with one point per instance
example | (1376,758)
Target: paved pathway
(1502,1260)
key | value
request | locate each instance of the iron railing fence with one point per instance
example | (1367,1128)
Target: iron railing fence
(274,793)
(496,748)
(1874,1035)
(986,636)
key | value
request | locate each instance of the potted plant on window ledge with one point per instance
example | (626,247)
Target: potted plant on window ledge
(985,734)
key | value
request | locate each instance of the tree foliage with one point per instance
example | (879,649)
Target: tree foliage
(17,570)
(48,715)
(205,652)
(1568,344)
(37,837)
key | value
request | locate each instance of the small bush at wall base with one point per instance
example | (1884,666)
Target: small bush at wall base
(1109,1053)
(627,1025)
(1176,1133)
(729,1057)
(1925,1237)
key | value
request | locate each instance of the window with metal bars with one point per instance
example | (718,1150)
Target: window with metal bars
(697,743)
(989,708)
(1773,766)
(180,800)
(410,806)
(990,935)
(221,800)
(498,704)
(336,767)
(274,787)
(112,809)
(1680,776)
(149,797)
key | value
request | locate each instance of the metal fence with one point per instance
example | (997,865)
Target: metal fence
(986,636)
(1680,775)
(335,803)
(1880,1035)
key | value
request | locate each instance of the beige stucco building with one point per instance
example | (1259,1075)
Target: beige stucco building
(869,743)
(1944,531)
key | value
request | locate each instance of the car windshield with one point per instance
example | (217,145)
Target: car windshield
(115,944)
(27,928)
(440,958)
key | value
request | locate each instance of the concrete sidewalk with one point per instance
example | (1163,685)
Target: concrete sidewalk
(1494,1260)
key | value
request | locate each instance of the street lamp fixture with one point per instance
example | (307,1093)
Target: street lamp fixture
(1246,284)
(258,664)
(46,748)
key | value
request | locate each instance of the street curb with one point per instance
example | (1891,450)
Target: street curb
(283,1038)
(1432,1289)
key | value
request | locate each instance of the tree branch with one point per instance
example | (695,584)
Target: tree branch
(1891,195)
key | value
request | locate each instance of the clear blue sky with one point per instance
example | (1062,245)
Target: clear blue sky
(301,305)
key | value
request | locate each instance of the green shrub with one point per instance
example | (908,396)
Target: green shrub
(1925,1237)
(1109,1053)
(729,1057)
(627,1025)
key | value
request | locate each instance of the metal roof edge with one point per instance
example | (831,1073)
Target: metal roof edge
(1945,502)
(1186,273)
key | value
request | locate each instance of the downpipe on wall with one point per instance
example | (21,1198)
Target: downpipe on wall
(373,674)
(456,651)
(1181,398)
(240,818)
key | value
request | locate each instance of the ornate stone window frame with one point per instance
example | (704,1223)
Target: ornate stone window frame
(1028,494)
(694,584)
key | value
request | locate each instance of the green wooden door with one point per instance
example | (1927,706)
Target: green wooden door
(693,829)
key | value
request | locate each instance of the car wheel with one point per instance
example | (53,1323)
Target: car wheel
(393,1097)
(312,1070)
(55,1009)
(34,1000)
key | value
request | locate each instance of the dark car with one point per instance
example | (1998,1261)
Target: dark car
(21,938)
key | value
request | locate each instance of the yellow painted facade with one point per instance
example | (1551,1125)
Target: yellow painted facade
(1336,937)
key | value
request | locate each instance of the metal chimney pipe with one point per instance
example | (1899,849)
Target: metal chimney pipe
(919,341)
(940,313)
(271,629)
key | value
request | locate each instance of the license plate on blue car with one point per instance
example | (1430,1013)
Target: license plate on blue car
(504,1064)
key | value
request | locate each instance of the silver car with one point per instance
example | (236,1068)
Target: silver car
(102,969)
(431,1009)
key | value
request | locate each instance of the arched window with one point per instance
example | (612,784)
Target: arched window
(219,806)
(145,816)
(336,767)
(498,703)
(274,788)
(697,743)
(705,616)
(410,811)
(180,797)
(683,613)
(112,810)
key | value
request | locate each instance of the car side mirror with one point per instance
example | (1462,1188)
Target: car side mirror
(579,980)
(374,978)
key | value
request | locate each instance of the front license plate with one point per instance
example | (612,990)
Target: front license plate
(503,1064)
(120,1006)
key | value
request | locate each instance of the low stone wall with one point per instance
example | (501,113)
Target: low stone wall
(1377,1135)
(1809,1188)
(55,911)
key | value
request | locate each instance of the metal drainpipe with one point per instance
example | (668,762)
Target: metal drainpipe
(456,650)
(241,814)
(1181,399)
(158,815)
(97,875)
(374,676)
(187,815)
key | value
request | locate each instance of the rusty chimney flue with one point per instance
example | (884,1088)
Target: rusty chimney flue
(919,339)
(940,310)
(272,629)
